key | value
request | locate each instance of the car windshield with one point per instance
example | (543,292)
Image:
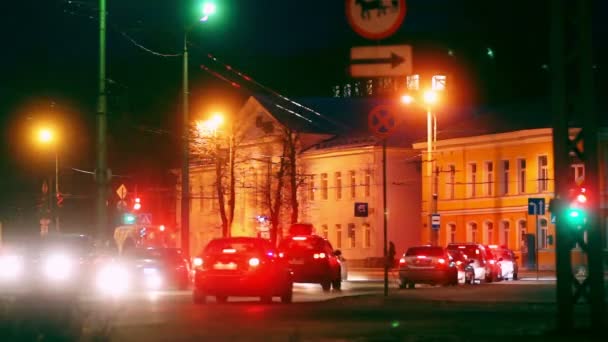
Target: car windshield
(471,251)
(238,246)
(302,244)
(427,251)
(505,254)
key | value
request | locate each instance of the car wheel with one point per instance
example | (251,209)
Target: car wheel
(514,276)
(288,296)
(336,284)
(198,297)
(411,285)
(469,278)
(221,299)
(403,283)
(326,285)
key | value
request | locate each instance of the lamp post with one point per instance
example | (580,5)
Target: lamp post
(429,98)
(46,136)
(208,9)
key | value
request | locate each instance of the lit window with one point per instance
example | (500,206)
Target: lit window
(311,188)
(324,186)
(489,181)
(542,239)
(338,236)
(353,184)
(325,231)
(523,230)
(543,174)
(338,179)
(504,184)
(489,233)
(473,231)
(521,172)
(451,233)
(504,234)
(368,181)
(472,179)
(352,235)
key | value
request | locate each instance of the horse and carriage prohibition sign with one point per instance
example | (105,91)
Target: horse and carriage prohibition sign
(375,19)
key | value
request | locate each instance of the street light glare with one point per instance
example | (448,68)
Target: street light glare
(407,99)
(45,135)
(216,120)
(430,97)
(209,8)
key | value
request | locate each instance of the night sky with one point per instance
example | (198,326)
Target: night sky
(48,71)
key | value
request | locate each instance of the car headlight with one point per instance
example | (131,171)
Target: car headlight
(58,267)
(113,279)
(11,267)
(152,279)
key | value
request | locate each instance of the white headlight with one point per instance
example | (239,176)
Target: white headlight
(113,279)
(58,267)
(11,267)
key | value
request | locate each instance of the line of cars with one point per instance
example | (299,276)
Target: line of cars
(467,263)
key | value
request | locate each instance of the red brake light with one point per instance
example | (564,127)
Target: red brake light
(229,250)
(458,262)
(421,257)
(441,261)
(493,246)
(253,262)
(462,247)
(299,238)
(402,261)
(197,262)
(492,261)
(281,255)
(319,255)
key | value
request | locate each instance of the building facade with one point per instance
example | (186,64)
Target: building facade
(484,184)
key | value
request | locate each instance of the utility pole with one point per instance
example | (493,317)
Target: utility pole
(581,96)
(101,171)
(185,202)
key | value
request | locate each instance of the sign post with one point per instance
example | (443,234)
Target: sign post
(536,206)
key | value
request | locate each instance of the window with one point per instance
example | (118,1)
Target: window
(504,184)
(542,233)
(522,228)
(338,180)
(521,175)
(489,181)
(368,181)
(450,182)
(201,200)
(543,174)
(324,231)
(472,232)
(451,233)
(472,179)
(338,236)
(504,233)
(368,236)
(489,238)
(353,184)
(324,186)
(311,188)
(352,235)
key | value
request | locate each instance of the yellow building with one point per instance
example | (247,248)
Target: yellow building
(483,185)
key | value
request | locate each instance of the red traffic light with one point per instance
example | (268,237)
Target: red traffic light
(582,196)
(161,228)
(137,204)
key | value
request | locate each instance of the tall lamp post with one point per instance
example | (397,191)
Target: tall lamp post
(208,9)
(430,98)
(46,136)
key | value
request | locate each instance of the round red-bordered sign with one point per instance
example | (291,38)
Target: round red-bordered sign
(381,121)
(375,19)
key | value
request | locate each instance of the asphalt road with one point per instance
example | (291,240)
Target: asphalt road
(522,310)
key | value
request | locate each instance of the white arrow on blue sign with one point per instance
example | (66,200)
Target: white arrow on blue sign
(536,206)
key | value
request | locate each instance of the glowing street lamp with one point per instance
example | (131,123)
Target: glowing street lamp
(46,136)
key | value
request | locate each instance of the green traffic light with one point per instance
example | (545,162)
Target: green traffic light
(129,219)
(576,216)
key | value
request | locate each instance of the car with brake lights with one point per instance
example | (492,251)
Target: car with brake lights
(479,258)
(466,273)
(241,267)
(159,268)
(312,260)
(427,265)
(507,260)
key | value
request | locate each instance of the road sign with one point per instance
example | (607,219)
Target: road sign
(121,205)
(536,206)
(121,191)
(377,61)
(375,19)
(145,219)
(435,221)
(381,121)
(553,219)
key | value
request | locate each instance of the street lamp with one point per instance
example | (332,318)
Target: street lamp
(207,9)
(47,137)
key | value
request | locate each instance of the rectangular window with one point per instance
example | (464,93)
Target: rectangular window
(338,236)
(324,186)
(543,174)
(368,236)
(338,180)
(542,238)
(201,199)
(521,175)
(368,181)
(504,182)
(452,232)
(489,181)
(353,184)
(472,180)
(311,188)
(450,182)
(325,231)
(352,238)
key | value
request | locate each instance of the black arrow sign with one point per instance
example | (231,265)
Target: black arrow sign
(394,60)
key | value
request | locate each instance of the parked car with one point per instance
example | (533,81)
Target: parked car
(466,272)
(158,268)
(312,260)
(507,260)
(243,267)
(478,258)
(427,265)
(494,261)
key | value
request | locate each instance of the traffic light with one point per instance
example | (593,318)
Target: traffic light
(576,213)
(128,218)
(161,228)
(137,204)
(59,200)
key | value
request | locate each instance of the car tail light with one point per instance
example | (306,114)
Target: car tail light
(319,255)
(492,262)
(299,238)
(254,262)
(281,255)
(402,261)
(229,250)
(197,262)
(421,256)
(458,262)
(441,261)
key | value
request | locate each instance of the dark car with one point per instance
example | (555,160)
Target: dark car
(427,265)
(479,258)
(312,260)
(466,273)
(507,260)
(243,267)
(158,268)
(56,263)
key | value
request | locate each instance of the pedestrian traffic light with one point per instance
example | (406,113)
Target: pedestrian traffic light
(576,213)
(137,204)
(128,218)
